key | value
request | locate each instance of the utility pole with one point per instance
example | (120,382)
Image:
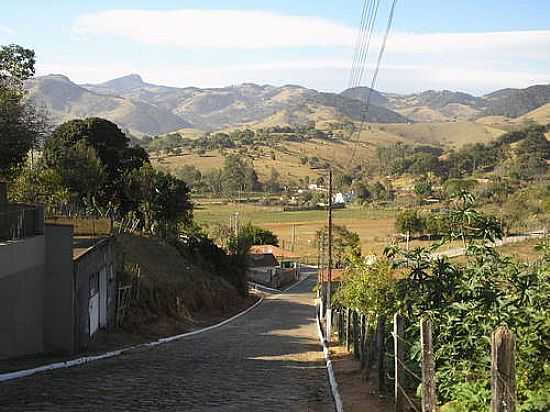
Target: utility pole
(293,238)
(329,283)
(322,294)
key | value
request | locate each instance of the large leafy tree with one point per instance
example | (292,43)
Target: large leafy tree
(97,146)
(345,243)
(161,200)
(21,126)
(409,222)
(259,235)
(238,174)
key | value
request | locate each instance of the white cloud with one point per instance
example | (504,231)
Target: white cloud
(6,30)
(473,62)
(216,29)
(514,44)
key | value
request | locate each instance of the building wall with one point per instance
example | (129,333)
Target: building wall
(22,271)
(87,270)
(59,299)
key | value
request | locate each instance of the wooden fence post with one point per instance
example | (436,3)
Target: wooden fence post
(399,359)
(381,352)
(341,326)
(348,329)
(355,336)
(362,341)
(429,389)
(503,370)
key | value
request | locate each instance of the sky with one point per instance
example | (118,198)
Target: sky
(476,46)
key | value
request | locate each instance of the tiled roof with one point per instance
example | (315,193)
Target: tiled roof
(262,260)
(275,250)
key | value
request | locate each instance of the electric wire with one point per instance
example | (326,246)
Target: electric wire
(374,76)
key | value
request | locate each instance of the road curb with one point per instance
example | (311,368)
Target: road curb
(331,375)
(94,358)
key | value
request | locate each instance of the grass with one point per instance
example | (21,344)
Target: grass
(454,134)
(361,148)
(374,226)
(522,250)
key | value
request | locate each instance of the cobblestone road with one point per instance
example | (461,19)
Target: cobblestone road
(267,360)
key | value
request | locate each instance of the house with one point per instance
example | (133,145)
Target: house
(53,297)
(278,252)
(262,268)
(265,269)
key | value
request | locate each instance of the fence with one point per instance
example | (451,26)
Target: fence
(19,221)
(370,345)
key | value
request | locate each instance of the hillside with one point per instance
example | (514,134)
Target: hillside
(446,105)
(516,102)
(212,109)
(149,109)
(66,100)
(145,108)
(175,292)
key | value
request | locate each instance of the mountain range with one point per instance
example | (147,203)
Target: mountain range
(145,108)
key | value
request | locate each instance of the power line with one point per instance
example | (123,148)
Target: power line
(367,38)
(358,43)
(375,75)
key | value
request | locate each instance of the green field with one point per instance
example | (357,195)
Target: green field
(374,226)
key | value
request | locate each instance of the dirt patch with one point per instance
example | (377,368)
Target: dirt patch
(358,394)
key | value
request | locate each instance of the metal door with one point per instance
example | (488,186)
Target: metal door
(103,298)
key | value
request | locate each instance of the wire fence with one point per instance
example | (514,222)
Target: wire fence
(20,221)
(409,364)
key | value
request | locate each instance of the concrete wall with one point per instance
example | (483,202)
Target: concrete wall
(262,275)
(36,294)
(273,277)
(285,277)
(86,274)
(58,297)
(22,271)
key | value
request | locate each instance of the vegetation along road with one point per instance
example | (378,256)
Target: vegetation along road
(267,360)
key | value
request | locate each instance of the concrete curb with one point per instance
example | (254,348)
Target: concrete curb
(331,375)
(277,291)
(296,284)
(263,288)
(94,358)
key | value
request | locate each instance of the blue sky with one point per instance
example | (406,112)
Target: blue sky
(469,45)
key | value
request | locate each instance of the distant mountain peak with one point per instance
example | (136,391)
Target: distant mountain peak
(125,83)
(55,76)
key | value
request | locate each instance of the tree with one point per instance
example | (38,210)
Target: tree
(21,125)
(273,185)
(65,149)
(346,244)
(213,180)
(40,185)
(423,188)
(238,174)
(362,191)
(162,200)
(190,175)
(535,144)
(410,222)
(423,163)
(258,235)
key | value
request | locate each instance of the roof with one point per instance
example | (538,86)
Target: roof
(275,250)
(262,260)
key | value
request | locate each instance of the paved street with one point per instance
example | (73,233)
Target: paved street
(267,360)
